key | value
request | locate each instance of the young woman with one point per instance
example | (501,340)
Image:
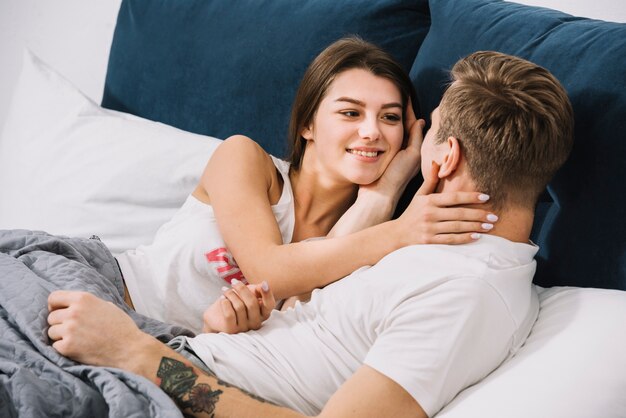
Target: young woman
(252,219)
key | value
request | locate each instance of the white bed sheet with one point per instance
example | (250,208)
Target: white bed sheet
(573,364)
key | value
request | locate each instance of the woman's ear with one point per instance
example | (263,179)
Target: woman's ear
(451,160)
(307,133)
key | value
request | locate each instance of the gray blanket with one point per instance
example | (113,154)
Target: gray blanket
(35,380)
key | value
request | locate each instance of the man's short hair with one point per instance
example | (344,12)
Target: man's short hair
(514,123)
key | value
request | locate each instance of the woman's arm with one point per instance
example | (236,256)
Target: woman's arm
(242,204)
(240,182)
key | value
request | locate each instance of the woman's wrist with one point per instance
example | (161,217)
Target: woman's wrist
(396,232)
(369,209)
(377,196)
(375,201)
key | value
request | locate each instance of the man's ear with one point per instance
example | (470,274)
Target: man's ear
(451,160)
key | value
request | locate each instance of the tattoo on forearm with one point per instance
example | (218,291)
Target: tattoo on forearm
(179,382)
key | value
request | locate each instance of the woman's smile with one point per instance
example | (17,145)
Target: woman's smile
(364,154)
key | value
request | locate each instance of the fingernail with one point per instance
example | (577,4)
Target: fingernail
(487,226)
(483,197)
(492,218)
(265,286)
(224,288)
(476,235)
(234,282)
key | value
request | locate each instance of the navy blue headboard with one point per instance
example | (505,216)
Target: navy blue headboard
(232,67)
(227,67)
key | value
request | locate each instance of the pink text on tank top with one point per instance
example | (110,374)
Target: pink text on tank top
(222,260)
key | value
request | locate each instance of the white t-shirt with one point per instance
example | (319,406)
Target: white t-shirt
(182,272)
(433,318)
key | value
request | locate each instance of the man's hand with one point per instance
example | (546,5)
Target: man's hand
(90,330)
(240,309)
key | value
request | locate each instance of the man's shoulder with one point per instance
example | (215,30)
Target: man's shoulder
(435,260)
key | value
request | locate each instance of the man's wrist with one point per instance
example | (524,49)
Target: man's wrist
(142,356)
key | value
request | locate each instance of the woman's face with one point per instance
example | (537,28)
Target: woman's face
(357,128)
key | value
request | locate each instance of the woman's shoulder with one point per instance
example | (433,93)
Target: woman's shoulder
(244,144)
(241,153)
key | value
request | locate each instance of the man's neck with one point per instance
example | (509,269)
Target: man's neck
(514,224)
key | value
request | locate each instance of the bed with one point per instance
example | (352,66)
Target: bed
(183,75)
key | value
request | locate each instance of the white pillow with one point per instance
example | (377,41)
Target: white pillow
(572,365)
(70,167)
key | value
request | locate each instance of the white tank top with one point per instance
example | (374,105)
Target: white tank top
(182,272)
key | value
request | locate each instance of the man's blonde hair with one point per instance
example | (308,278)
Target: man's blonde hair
(514,122)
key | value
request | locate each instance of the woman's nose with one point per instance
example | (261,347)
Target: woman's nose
(369,129)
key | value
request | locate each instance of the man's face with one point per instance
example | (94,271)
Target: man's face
(430,150)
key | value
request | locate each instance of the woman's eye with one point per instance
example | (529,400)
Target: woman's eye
(350,113)
(392,117)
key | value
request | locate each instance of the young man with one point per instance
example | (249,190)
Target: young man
(403,337)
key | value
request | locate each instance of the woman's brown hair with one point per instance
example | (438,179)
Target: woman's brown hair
(344,54)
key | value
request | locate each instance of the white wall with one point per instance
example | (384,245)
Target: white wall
(613,10)
(74,36)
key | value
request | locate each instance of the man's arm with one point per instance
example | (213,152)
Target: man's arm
(79,332)
(366,394)
(198,394)
(369,393)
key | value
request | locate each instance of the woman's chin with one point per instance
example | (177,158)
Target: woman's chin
(364,179)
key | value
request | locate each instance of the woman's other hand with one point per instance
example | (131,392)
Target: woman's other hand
(241,308)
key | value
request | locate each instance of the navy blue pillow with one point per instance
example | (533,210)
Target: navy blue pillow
(222,67)
(582,232)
